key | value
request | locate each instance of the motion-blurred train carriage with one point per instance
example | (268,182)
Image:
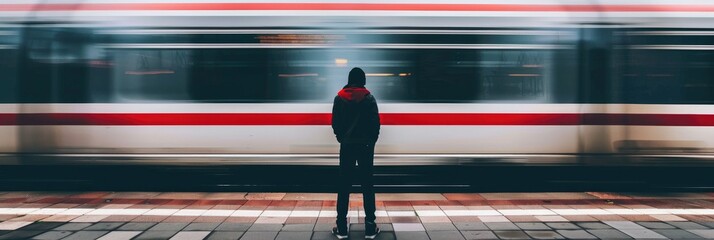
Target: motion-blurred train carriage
(458,82)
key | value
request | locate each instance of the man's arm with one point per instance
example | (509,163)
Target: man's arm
(374,119)
(337,119)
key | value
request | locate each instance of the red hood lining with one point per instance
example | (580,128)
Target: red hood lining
(353,93)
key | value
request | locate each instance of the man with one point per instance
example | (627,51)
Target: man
(355,121)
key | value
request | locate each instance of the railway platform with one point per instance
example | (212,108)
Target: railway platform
(412,216)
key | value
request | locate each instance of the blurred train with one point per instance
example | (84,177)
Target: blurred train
(605,82)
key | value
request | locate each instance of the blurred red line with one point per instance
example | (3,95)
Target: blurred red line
(494,119)
(357,6)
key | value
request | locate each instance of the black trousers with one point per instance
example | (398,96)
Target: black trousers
(363,155)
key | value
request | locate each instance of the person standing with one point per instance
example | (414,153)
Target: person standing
(355,122)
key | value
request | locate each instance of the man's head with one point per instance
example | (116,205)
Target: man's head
(356,78)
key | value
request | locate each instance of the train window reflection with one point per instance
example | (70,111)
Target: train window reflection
(668,76)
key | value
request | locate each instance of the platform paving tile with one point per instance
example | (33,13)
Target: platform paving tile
(323,227)
(445,235)
(322,236)
(705,233)
(532,226)
(85,235)
(608,234)
(294,236)
(201,226)
(473,235)
(655,225)
(687,225)
(642,233)
(52,235)
(511,234)
(412,235)
(73,226)
(265,227)
(501,226)
(303,227)
(563,225)
(576,234)
(136,226)
(150,235)
(439,227)
(120,235)
(544,235)
(233,227)
(706,223)
(259,235)
(170,226)
(224,235)
(408,227)
(42,226)
(190,235)
(21,234)
(106,226)
(677,234)
(470,226)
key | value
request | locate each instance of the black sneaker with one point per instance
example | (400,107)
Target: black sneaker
(341,233)
(370,230)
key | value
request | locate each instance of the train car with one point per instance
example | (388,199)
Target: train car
(458,82)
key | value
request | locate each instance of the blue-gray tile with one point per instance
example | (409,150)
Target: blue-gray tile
(136,226)
(265,227)
(472,235)
(470,226)
(169,226)
(306,227)
(439,227)
(201,226)
(498,226)
(53,235)
(21,234)
(42,226)
(156,235)
(445,235)
(412,235)
(322,236)
(532,226)
(259,235)
(608,234)
(593,225)
(103,226)
(656,225)
(85,235)
(294,236)
(562,225)
(233,227)
(511,234)
(687,225)
(539,234)
(676,234)
(73,226)
(224,235)
(576,234)
(705,233)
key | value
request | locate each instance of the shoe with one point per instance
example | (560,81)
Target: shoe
(340,234)
(371,230)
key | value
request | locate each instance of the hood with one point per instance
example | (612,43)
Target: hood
(356,94)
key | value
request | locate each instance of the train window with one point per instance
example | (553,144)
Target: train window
(8,66)
(220,75)
(668,76)
(456,75)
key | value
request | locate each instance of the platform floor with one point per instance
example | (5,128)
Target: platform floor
(195,215)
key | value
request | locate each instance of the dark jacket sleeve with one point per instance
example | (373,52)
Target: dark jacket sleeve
(337,123)
(374,119)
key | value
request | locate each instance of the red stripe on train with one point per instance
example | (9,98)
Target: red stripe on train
(488,119)
(355,6)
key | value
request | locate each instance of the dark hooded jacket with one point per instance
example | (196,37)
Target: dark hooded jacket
(355,117)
